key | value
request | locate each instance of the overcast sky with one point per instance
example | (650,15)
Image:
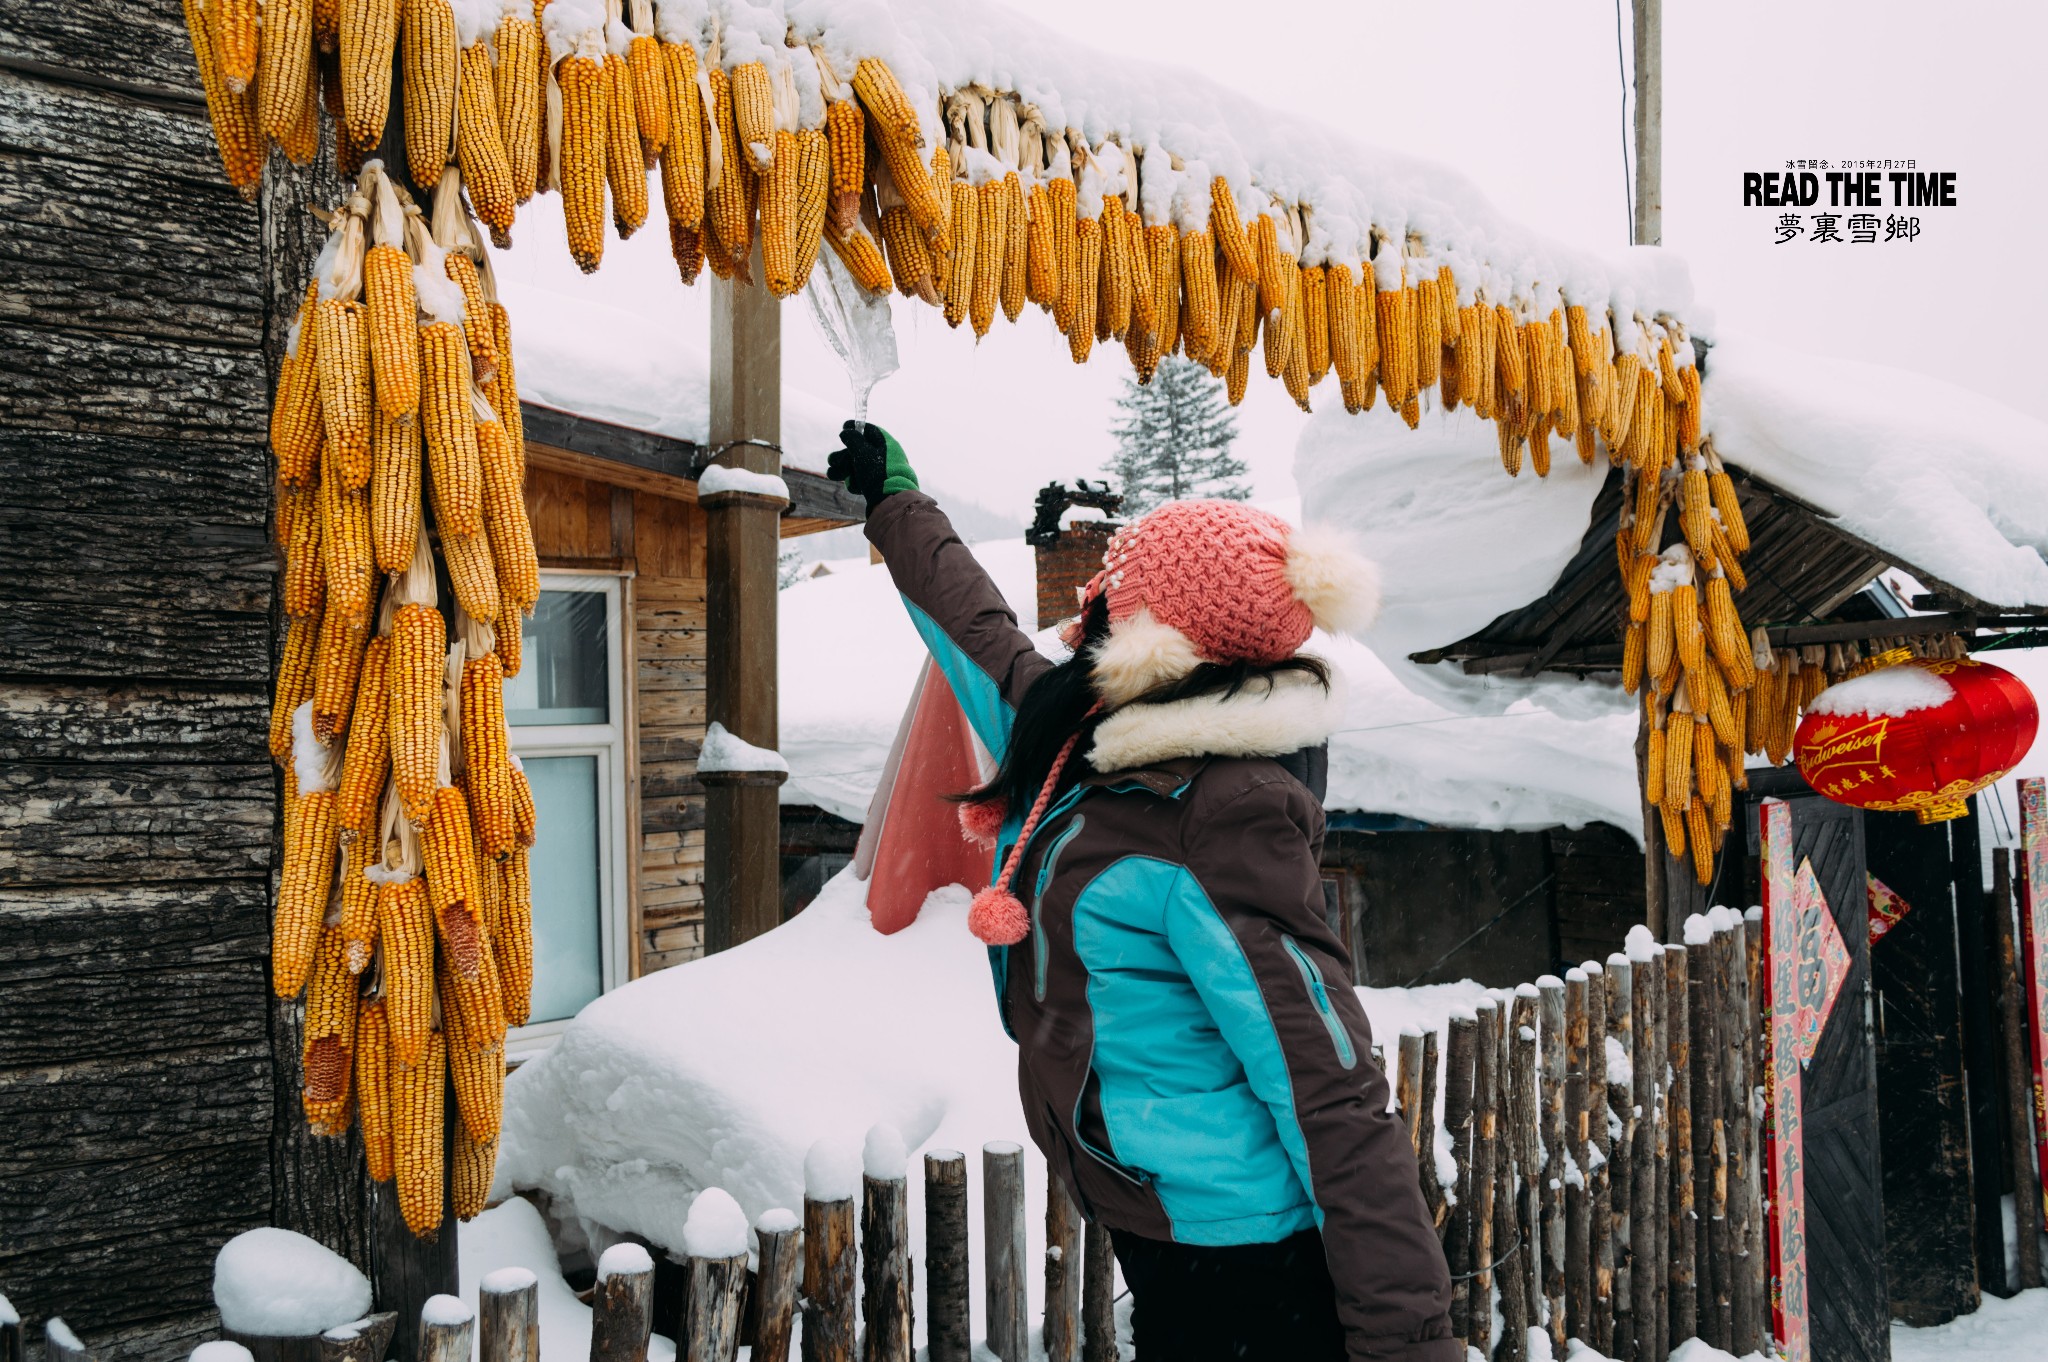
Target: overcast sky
(1524,99)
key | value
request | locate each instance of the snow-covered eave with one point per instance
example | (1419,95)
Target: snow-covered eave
(584,446)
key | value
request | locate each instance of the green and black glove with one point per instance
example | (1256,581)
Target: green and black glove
(870,463)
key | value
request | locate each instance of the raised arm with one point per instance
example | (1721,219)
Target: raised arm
(970,629)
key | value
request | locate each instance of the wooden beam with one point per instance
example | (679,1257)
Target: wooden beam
(742,824)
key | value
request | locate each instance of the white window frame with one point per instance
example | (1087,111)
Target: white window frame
(607,742)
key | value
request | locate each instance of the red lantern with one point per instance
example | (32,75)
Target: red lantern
(1923,735)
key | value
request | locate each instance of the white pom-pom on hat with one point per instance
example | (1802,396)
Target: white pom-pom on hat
(1139,654)
(1328,574)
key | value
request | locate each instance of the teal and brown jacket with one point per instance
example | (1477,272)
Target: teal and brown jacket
(1192,1059)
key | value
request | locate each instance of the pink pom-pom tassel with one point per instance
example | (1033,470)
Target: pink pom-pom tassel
(997,917)
(982,821)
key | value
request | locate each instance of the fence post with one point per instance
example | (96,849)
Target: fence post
(448,1329)
(1710,1134)
(2019,1092)
(10,1333)
(1748,1263)
(830,1257)
(1621,1340)
(1550,990)
(885,1269)
(1515,1182)
(1425,1119)
(1408,1084)
(1002,1216)
(1683,1225)
(947,1278)
(1098,1298)
(1646,1267)
(1459,1053)
(1485,1141)
(1062,1331)
(1578,1242)
(621,1308)
(781,1250)
(508,1317)
(62,1345)
(716,1285)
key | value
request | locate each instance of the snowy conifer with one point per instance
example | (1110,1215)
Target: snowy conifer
(1174,441)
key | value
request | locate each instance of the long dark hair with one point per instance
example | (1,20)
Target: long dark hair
(1058,705)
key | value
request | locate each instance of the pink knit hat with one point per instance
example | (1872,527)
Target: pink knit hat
(1192,582)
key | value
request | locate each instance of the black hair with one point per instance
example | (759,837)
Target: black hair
(1058,702)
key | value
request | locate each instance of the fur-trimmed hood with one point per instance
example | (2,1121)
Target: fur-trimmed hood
(1263,719)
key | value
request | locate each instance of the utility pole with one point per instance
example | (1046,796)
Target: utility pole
(1649,35)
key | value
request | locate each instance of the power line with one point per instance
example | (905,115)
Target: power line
(1628,193)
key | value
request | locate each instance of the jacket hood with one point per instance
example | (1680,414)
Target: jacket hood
(1262,720)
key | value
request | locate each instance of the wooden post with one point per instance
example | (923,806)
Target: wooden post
(1408,1084)
(1005,1304)
(1556,1152)
(1649,122)
(1460,1054)
(716,1285)
(1485,1143)
(1578,1262)
(508,1317)
(1062,1332)
(407,1271)
(1710,1132)
(621,1306)
(742,827)
(1977,1006)
(280,1347)
(1599,1328)
(62,1345)
(1645,1267)
(2019,1091)
(829,1280)
(885,1270)
(947,1277)
(1682,1310)
(367,1339)
(1098,1297)
(775,1286)
(10,1335)
(1514,1235)
(1425,1117)
(448,1331)
(1749,1296)
(1621,1180)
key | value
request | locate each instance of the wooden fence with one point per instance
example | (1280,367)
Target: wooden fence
(1604,1129)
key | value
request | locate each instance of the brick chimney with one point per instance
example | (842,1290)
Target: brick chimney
(1068,557)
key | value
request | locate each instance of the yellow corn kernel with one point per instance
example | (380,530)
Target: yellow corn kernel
(686,248)
(345,550)
(474,574)
(779,191)
(1080,300)
(373,1087)
(394,491)
(419,648)
(522,62)
(366,763)
(418,1110)
(480,144)
(503,389)
(909,258)
(327,1057)
(814,184)
(861,256)
(651,99)
(486,757)
(294,682)
(510,533)
(342,359)
(285,67)
(1231,238)
(305,575)
(512,943)
(475,1165)
(369,39)
(846,133)
(432,66)
(965,229)
(991,243)
(682,157)
(585,127)
(1660,654)
(730,201)
(335,669)
(405,931)
(1721,490)
(1396,336)
(393,330)
(476,1067)
(302,892)
(450,429)
(1277,329)
(625,170)
(1429,333)
(525,819)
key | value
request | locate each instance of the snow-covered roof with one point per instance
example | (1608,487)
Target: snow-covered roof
(1475,757)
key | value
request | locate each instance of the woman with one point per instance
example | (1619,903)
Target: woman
(1192,1062)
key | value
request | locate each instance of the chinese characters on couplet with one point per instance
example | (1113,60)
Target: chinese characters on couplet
(1848,199)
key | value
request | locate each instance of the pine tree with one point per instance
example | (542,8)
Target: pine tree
(1175,438)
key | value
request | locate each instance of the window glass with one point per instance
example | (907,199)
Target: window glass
(568,969)
(564,677)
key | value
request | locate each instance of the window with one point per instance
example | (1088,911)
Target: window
(567,716)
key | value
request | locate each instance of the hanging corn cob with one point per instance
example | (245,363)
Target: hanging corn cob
(368,41)
(392,312)
(414,682)
(454,466)
(729,185)
(651,96)
(480,144)
(285,68)
(576,40)
(682,155)
(430,58)
(341,354)
(625,166)
(900,136)
(418,1097)
(302,891)
(327,1059)
(366,762)
(518,82)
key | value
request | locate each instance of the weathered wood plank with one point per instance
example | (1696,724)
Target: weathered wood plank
(126,824)
(143,1287)
(143,42)
(47,118)
(104,248)
(158,1191)
(150,481)
(147,722)
(53,379)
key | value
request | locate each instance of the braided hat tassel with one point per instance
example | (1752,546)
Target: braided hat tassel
(998,916)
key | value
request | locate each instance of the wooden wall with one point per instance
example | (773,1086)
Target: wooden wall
(658,541)
(137,800)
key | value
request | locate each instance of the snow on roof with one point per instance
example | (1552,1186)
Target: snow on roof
(1505,757)
(632,1113)
(1953,483)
